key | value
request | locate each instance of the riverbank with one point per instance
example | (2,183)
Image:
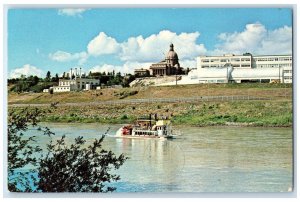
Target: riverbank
(266,113)
(265,90)
(122,106)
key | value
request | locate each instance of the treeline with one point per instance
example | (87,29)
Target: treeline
(112,78)
(36,84)
(32,83)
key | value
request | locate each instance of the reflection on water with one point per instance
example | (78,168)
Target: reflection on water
(210,159)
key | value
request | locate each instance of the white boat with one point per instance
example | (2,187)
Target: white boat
(144,128)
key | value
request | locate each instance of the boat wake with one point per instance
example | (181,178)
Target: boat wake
(109,135)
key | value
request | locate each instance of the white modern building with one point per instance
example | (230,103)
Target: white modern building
(245,61)
(247,68)
(232,68)
(237,61)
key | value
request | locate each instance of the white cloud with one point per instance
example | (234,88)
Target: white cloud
(138,50)
(256,39)
(62,56)
(102,45)
(104,68)
(188,63)
(26,70)
(127,67)
(71,11)
(154,47)
(278,41)
(149,49)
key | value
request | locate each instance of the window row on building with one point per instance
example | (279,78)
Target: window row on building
(226,60)
(274,65)
(272,58)
(244,61)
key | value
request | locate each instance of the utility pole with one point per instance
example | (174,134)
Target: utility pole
(279,74)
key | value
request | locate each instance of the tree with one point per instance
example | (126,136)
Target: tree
(84,169)
(55,79)
(74,168)
(21,86)
(127,80)
(48,76)
(21,152)
(33,80)
(119,75)
(64,75)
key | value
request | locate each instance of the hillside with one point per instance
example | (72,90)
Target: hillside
(274,91)
(274,111)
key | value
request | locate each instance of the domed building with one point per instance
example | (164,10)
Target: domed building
(172,58)
(169,66)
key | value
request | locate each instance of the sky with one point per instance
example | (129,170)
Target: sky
(122,39)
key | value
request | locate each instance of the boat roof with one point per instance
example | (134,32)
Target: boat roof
(145,120)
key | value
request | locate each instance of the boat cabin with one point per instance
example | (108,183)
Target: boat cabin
(145,124)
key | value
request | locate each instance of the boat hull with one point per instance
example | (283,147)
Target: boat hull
(144,137)
(120,134)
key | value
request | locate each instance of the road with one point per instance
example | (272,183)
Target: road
(152,100)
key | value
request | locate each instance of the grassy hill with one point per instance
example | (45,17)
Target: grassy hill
(276,91)
(275,112)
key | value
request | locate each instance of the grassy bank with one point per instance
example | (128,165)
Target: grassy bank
(277,91)
(274,112)
(270,114)
(245,113)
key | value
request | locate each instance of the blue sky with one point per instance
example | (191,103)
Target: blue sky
(123,39)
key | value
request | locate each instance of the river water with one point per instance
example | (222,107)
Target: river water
(202,159)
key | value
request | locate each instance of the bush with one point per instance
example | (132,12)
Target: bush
(74,168)
(124,117)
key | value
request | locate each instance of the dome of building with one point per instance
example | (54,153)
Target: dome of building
(172,54)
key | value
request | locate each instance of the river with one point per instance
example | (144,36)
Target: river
(202,159)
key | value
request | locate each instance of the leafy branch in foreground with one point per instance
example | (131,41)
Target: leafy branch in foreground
(77,169)
(22,150)
(64,168)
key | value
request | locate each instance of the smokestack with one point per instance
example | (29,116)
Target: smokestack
(71,74)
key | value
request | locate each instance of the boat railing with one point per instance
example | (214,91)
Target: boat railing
(146,132)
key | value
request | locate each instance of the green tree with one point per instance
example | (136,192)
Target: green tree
(127,80)
(55,79)
(74,168)
(21,152)
(33,80)
(23,84)
(48,76)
